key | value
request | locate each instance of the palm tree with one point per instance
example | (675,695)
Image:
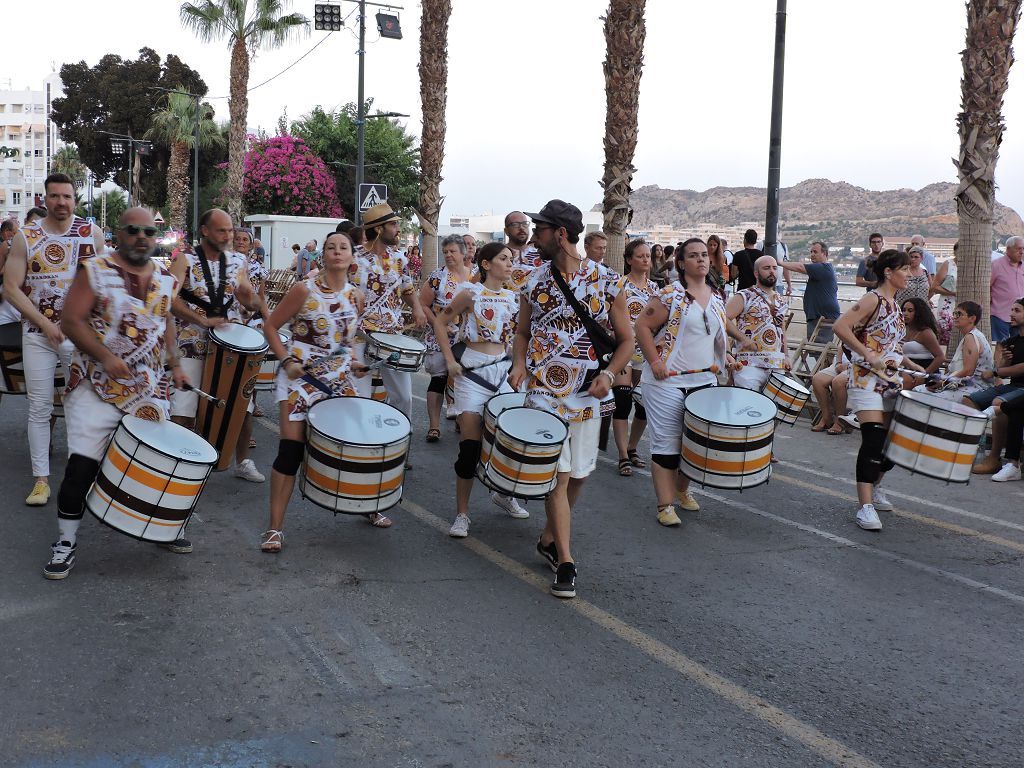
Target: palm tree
(986,60)
(66,160)
(248,26)
(175,126)
(624,33)
(433,98)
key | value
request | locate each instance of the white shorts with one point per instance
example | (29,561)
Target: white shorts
(183,402)
(471,397)
(666,407)
(90,422)
(859,399)
(435,365)
(579,451)
(750,377)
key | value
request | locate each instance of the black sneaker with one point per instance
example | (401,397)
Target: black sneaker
(564,584)
(62,560)
(178,546)
(549,553)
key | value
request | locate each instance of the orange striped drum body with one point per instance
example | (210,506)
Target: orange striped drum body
(789,396)
(492,410)
(727,437)
(355,455)
(934,437)
(266,378)
(150,479)
(520,458)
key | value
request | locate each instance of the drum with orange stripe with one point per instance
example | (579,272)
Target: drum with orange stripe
(150,479)
(355,455)
(727,437)
(520,456)
(934,437)
(789,396)
(492,410)
(266,378)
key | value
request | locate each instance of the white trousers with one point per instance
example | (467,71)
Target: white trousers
(397,383)
(41,359)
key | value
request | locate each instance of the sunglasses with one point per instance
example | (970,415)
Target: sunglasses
(133,230)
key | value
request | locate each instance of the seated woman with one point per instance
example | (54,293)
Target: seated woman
(322,311)
(829,386)
(972,359)
(921,342)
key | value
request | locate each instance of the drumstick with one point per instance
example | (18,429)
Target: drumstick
(216,402)
(713,368)
(394,357)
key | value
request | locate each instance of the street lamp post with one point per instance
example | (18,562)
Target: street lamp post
(771,227)
(118,142)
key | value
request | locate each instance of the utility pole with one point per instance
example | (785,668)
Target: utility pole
(771,217)
(361,119)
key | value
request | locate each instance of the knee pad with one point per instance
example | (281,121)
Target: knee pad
(78,476)
(666,460)
(289,457)
(623,400)
(870,463)
(437,384)
(469,455)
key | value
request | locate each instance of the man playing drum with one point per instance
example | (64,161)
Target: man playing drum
(382,274)
(215,290)
(760,314)
(42,263)
(116,314)
(554,353)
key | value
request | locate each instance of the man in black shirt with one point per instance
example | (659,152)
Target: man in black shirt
(744,260)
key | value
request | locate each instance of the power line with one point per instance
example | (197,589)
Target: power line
(250,90)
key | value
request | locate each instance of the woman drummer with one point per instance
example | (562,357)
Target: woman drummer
(689,321)
(872,330)
(437,293)
(484,312)
(323,311)
(638,287)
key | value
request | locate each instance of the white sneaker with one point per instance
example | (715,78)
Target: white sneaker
(851,420)
(879,500)
(247,471)
(460,528)
(1008,472)
(510,505)
(867,518)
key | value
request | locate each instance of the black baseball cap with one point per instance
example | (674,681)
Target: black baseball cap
(559,213)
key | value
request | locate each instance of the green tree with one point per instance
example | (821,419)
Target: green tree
(392,157)
(117,203)
(175,126)
(66,160)
(247,27)
(115,96)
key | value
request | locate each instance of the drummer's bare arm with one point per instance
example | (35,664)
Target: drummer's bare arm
(284,313)
(426,297)
(653,317)
(78,304)
(450,314)
(419,318)
(245,293)
(517,374)
(850,319)
(14,278)
(734,307)
(173,358)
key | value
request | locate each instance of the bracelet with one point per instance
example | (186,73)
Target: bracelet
(610,375)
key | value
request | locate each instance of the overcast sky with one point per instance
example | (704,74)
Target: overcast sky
(871,98)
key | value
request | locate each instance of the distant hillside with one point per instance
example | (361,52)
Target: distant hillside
(836,212)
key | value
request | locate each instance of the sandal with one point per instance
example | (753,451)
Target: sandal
(272,541)
(635,460)
(820,426)
(377,520)
(837,429)
(625,469)
(433,435)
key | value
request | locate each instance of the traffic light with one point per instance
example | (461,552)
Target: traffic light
(327,16)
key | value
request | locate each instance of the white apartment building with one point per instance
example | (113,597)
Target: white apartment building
(28,140)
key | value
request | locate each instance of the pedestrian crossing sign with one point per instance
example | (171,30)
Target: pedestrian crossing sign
(371,195)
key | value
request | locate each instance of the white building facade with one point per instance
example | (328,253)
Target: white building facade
(28,141)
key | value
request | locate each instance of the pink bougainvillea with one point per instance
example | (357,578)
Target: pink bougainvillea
(284,177)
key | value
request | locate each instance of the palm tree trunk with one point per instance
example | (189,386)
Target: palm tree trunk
(987,59)
(177,185)
(624,33)
(433,98)
(238,108)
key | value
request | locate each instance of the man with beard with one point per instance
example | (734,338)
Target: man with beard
(40,268)
(760,314)
(117,314)
(525,257)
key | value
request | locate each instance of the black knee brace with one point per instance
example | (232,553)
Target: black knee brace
(289,457)
(666,460)
(78,476)
(870,463)
(639,412)
(623,400)
(437,384)
(469,455)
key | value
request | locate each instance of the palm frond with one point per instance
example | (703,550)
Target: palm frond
(206,20)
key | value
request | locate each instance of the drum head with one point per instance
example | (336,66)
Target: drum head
(529,425)
(396,341)
(239,337)
(358,421)
(941,404)
(171,439)
(499,403)
(792,384)
(733,406)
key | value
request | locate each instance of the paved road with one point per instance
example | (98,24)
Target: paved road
(766,631)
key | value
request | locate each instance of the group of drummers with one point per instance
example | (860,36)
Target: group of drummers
(530,343)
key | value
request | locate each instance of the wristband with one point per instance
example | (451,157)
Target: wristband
(610,375)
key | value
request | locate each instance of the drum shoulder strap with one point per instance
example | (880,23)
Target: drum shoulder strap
(457,351)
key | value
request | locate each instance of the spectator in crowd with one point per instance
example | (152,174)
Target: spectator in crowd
(866,277)
(743,261)
(821,296)
(928,258)
(919,282)
(34,215)
(469,258)
(1007,285)
(305,259)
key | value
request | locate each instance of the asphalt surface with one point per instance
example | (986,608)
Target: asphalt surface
(768,630)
